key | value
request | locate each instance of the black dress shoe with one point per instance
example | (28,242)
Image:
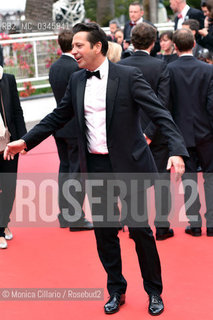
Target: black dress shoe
(164,233)
(195,232)
(82,225)
(113,304)
(156,306)
(209,232)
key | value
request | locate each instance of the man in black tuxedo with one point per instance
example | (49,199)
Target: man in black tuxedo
(136,16)
(184,12)
(193,25)
(192,109)
(66,138)
(106,99)
(8,170)
(156,74)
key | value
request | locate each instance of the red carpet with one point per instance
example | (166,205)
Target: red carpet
(57,258)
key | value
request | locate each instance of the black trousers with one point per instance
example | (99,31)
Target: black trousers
(162,185)
(203,152)
(108,245)
(69,169)
(8,176)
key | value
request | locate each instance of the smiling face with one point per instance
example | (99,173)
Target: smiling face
(87,55)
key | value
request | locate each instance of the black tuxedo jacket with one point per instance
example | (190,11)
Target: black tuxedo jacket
(127,93)
(192,98)
(127,35)
(13,110)
(156,74)
(59,75)
(193,14)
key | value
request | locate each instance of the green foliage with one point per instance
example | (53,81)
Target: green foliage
(121,7)
(90,7)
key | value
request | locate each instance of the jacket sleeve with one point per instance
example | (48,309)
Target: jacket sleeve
(145,98)
(18,112)
(163,95)
(52,122)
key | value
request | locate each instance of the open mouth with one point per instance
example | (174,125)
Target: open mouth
(78,59)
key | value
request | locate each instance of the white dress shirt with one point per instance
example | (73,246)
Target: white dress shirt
(183,13)
(95,110)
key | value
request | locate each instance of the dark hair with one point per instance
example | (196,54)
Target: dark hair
(95,34)
(65,40)
(184,39)
(209,5)
(169,35)
(192,23)
(143,35)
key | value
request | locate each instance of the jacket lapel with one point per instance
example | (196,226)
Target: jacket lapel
(112,87)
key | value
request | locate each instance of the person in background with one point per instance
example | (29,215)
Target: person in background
(192,110)
(193,25)
(205,55)
(66,138)
(206,33)
(113,26)
(119,36)
(9,101)
(136,13)
(184,12)
(114,51)
(156,74)
(168,53)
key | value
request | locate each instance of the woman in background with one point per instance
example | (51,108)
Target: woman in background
(168,53)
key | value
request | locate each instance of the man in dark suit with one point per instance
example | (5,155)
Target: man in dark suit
(184,12)
(193,25)
(192,109)
(66,138)
(8,170)
(156,74)
(136,16)
(106,99)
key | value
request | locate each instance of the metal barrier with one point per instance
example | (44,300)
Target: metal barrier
(29,55)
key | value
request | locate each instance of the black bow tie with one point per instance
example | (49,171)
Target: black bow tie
(132,23)
(90,74)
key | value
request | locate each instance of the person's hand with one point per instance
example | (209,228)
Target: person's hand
(178,164)
(13,148)
(203,32)
(147,139)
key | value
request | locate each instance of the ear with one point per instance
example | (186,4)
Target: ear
(98,47)
(176,49)
(194,44)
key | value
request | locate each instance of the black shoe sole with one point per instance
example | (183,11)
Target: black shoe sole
(111,312)
(156,314)
(194,234)
(164,237)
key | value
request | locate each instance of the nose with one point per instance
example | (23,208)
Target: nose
(73,51)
